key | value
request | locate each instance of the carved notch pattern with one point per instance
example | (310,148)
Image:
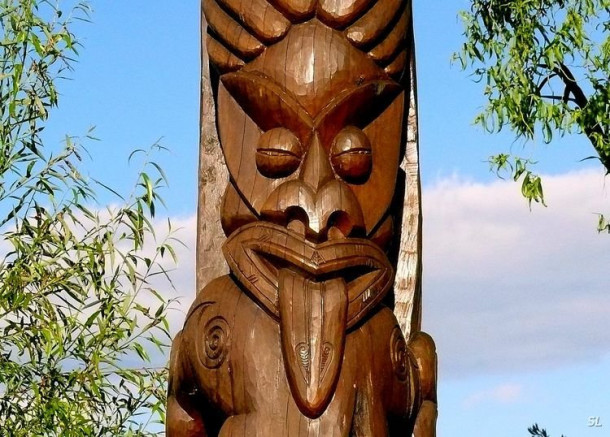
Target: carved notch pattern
(238,31)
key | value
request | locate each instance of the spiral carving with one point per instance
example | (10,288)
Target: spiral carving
(399,355)
(327,357)
(303,352)
(216,342)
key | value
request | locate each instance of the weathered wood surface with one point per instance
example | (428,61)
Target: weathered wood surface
(407,284)
(312,333)
(213,179)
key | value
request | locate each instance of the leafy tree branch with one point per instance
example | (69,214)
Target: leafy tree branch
(545,66)
(81,309)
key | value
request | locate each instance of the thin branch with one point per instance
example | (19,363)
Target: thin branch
(581,100)
(545,81)
(562,98)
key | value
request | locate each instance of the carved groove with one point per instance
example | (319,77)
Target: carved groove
(380,25)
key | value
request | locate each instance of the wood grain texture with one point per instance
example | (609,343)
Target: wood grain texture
(408,285)
(222,56)
(395,40)
(371,27)
(259,17)
(212,181)
(315,109)
(340,13)
(230,32)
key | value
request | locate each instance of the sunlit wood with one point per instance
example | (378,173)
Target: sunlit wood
(309,126)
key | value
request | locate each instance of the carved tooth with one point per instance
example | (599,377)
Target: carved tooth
(260,18)
(334,233)
(297,226)
(397,66)
(223,58)
(373,24)
(230,31)
(388,47)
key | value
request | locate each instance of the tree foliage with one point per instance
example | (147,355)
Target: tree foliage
(545,65)
(79,310)
(536,431)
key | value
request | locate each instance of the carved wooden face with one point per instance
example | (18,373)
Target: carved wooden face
(311,131)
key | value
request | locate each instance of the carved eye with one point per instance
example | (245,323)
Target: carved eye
(278,153)
(351,155)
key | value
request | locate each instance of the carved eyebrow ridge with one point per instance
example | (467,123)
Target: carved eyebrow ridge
(246,88)
(267,103)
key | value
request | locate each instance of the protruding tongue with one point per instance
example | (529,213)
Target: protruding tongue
(313,319)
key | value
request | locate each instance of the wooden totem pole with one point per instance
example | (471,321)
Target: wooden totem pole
(316,117)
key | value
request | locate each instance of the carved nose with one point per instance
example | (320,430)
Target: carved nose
(316,171)
(316,199)
(333,206)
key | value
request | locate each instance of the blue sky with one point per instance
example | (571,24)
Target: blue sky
(517,300)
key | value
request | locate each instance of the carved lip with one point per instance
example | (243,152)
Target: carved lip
(258,251)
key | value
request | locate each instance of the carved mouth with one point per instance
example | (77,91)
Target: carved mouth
(349,269)
(256,253)
(358,271)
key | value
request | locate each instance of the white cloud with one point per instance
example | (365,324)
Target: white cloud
(182,274)
(507,289)
(502,394)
